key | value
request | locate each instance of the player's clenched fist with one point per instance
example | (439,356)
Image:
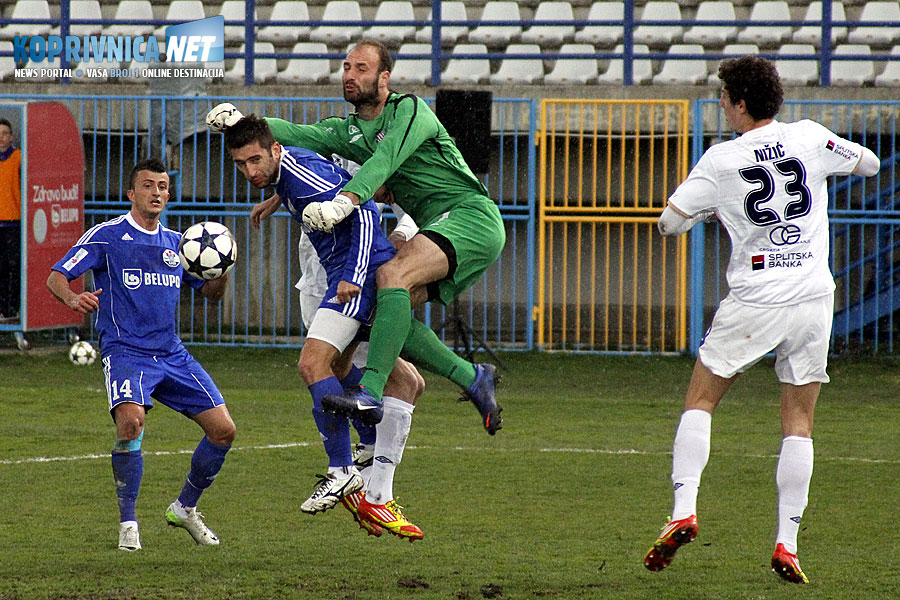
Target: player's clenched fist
(222,116)
(323,216)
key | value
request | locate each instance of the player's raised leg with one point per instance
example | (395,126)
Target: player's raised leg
(128,469)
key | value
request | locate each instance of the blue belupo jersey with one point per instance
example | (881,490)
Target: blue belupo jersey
(357,245)
(141,278)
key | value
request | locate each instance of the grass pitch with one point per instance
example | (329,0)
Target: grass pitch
(562,503)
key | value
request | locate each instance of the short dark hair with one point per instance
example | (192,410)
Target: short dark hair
(755,81)
(154,165)
(385,61)
(7,123)
(248,130)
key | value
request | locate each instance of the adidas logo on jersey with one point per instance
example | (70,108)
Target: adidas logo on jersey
(333,300)
(127,237)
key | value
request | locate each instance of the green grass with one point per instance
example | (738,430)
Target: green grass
(562,503)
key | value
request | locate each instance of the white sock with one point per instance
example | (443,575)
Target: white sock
(389,443)
(341,473)
(795,467)
(689,456)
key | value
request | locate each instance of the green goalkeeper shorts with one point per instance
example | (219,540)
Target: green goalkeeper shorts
(472,236)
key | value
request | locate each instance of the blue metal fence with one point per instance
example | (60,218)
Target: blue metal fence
(261,306)
(438,55)
(865,227)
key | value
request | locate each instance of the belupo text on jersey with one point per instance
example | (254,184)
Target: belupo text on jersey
(134,278)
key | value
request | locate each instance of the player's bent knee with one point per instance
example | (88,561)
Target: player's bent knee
(405,382)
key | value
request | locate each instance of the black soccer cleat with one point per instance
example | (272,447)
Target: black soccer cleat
(481,394)
(358,403)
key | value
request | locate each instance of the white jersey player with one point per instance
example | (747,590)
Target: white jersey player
(768,189)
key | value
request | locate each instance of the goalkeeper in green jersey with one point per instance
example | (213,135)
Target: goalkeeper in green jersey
(399,142)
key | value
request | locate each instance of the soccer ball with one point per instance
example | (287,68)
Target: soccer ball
(82,353)
(207,250)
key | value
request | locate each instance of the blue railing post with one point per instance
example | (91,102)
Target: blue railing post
(825,58)
(696,306)
(436,43)
(249,41)
(65,15)
(628,43)
(532,226)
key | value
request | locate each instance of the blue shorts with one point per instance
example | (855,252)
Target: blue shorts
(177,380)
(360,308)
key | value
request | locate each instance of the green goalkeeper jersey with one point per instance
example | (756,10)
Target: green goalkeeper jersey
(405,147)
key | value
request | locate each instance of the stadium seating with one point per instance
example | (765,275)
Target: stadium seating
(877,36)
(550,36)
(765,35)
(890,77)
(85,9)
(412,70)
(450,34)
(7,63)
(467,70)
(851,72)
(520,70)
(497,35)
(812,34)
(798,72)
(642,68)
(338,10)
(286,10)
(602,35)
(568,71)
(659,35)
(181,11)
(688,71)
(234,10)
(264,69)
(392,34)
(131,10)
(306,70)
(712,35)
(27,9)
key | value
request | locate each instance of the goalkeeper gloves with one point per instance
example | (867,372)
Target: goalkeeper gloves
(323,216)
(222,116)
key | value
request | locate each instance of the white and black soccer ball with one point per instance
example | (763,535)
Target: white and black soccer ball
(207,250)
(82,353)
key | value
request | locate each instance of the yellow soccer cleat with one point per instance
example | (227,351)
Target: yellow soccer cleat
(390,517)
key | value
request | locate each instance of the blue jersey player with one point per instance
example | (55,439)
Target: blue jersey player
(350,255)
(137,280)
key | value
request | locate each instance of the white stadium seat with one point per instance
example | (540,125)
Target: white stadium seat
(181,11)
(497,35)
(450,34)
(602,35)
(392,34)
(409,71)
(27,9)
(85,9)
(131,10)
(286,10)
(877,36)
(568,71)
(520,70)
(264,69)
(641,71)
(812,34)
(890,77)
(659,35)
(712,35)
(550,35)
(467,70)
(736,49)
(688,71)
(338,10)
(851,72)
(771,10)
(306,70)
(798,72)
(234,10)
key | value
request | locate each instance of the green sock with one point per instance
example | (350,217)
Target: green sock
(386,340)
(424,348)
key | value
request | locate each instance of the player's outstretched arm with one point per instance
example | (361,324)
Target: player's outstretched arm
(214,289)
(675,222)
(84,303)
(263,210)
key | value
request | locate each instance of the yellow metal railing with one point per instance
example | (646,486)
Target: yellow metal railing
(607,281)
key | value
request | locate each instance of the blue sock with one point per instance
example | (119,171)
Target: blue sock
(128,468)
(366,431)
(205,465)
(334,429)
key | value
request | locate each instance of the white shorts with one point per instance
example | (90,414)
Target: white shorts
(334,328)
(741,335)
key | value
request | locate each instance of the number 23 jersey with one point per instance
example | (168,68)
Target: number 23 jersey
(768,187)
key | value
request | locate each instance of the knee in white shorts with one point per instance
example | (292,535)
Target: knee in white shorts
(334,328)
